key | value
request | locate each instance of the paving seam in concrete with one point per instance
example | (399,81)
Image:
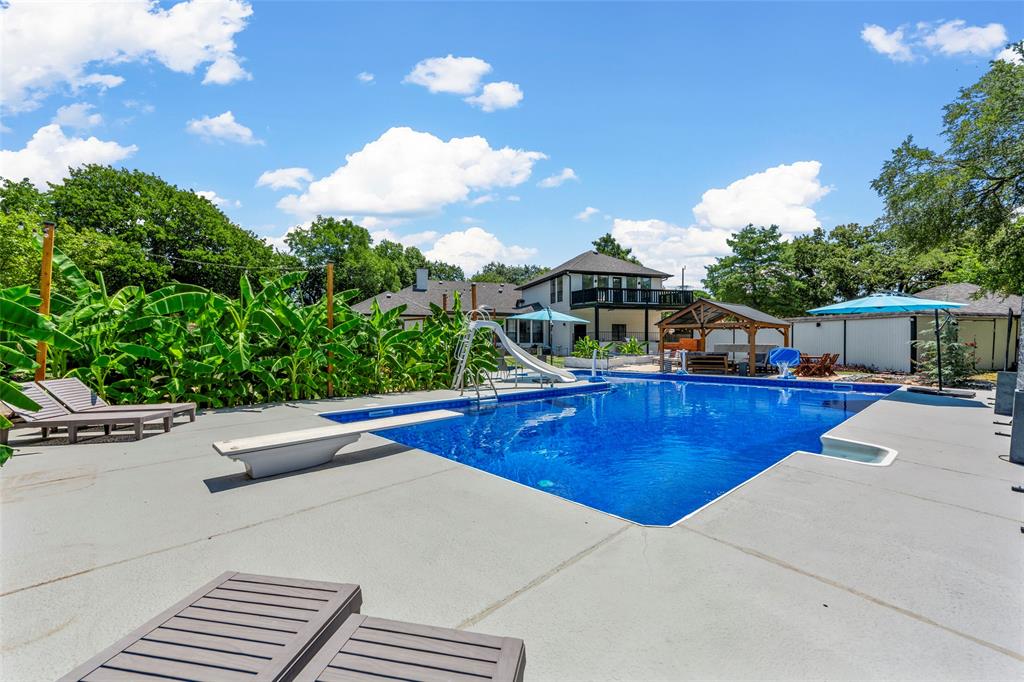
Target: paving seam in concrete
(222,533)
(863,595)
(479,616)
(908,460)
(900,492)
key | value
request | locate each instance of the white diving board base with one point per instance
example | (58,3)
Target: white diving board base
(279,453)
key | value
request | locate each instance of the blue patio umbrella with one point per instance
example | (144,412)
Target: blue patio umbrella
(547,315)
(894,303)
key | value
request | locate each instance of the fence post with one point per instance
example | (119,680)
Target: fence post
(45,277)
(330,325)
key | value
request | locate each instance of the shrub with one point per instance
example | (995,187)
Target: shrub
(959,361)
(632,347)
(585,347)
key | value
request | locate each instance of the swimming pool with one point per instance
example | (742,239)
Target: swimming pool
(651,451)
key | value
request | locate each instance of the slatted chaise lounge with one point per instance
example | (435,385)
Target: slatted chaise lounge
(53,415)
(366,648)
(80,398)
(278,453)
(236,627)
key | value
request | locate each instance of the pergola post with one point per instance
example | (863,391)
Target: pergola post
(752,353)
(785,337)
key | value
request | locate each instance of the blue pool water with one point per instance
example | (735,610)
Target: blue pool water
(648,451)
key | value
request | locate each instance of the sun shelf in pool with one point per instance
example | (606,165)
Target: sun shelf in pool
(651,451)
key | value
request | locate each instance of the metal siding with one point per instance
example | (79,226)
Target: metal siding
(818,338)
(881,343)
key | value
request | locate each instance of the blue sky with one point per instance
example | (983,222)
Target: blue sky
(679,122)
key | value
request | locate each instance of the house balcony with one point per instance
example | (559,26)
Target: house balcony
(608,297)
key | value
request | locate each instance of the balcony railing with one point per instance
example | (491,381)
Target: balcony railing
(666,298)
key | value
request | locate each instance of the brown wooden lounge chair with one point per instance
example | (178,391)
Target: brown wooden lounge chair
(712,363)
(80,398)
(367,648)
(236,627)
(53,415)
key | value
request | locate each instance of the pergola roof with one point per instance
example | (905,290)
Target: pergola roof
(706,314)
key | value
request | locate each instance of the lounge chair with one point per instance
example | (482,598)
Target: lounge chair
(278,453)
(366,648)
(78,397)
(714,363)
(236,627)
(53,415)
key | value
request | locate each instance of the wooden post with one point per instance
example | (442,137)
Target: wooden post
(444,302)
(785,336)
(752,351)
(472,300)
(45,277)
(330,325)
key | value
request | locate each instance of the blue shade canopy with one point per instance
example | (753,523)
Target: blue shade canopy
(548,315)
(884,303)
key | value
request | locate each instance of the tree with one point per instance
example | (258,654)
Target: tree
(609,246)
(445,271)
(348,246)
(972,193)
(511,274)
(758,273)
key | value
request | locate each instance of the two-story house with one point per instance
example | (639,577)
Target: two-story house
(619,300)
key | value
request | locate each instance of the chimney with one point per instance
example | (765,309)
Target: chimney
(472,298)
(421,279)
(444,302)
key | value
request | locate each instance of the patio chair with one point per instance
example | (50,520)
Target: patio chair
(828,364)
(79,398)
(53,415)
(811,368)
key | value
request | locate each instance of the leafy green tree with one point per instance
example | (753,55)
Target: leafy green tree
(445,271)
(758,273)
(971,193)
(609,246)
(347,245)
(501,273)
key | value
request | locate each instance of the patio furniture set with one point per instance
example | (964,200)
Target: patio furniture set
(262,628)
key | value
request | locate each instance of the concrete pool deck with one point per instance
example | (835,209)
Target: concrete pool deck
(818,568)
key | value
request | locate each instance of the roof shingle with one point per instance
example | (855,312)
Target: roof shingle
(599,264)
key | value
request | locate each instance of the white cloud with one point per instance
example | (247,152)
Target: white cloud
(78,116)
(144,107)
(216,200)
(47,156)
(416,239)
(667,247)
(459,75)
(278,242)
(558,179)
(48,45)
(782,195)
(1010,55)
(950,39)
(407,172)
(475,247)
(483,199)
(222,128)
(586,213)
(365,77)
(500,95)
(513,197)
(891,44)
(292,178)
(955,37)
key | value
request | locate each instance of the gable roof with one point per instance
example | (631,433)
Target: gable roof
(708,314)
(598,264)
(989,304)
(504,299)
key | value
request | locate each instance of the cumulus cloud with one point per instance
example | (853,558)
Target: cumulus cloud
(82,36)
(47,156)
(585,214)
(558,179)
(292,178)
(407,172)
(417,239)
(1010,55)
(222,128)
(499,95)
(483,199)
(950,38)
(365,77)
(458,75)
(475,247)
(278,243)
(782,195)
(217,200)
(78,116)
(890,43)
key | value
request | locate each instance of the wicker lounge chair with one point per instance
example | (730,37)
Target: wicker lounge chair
(78,397)
(367,648)
(236,627)
(53,415)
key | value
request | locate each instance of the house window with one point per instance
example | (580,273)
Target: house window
(538,331)
(588,281)
(618,332)
(552,291)
(510,329)
(524,331)
(645,282)
(631,283)
(561,288)
(602,281)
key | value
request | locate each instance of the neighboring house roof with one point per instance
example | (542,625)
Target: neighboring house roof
(598,264)
(504,299)
(989,304)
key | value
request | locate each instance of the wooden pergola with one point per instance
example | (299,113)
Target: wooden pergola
(703,316)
